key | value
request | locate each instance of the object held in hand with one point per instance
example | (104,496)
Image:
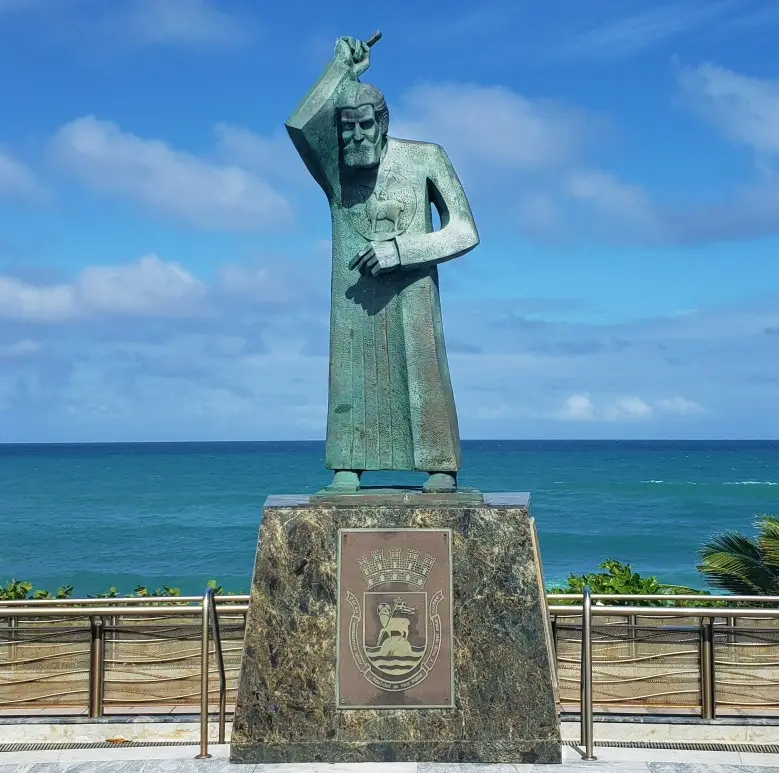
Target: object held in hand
(362,47)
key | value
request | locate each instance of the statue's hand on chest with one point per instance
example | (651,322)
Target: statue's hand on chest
(377,258)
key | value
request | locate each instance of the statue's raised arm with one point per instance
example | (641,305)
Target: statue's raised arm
(312,125)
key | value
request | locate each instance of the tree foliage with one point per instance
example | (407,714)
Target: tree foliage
(744,565)
(618,578)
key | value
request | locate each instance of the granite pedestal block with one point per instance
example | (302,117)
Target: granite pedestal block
(503,690)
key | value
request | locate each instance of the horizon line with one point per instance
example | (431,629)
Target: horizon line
(322,440)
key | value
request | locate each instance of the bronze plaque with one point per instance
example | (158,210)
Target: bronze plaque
(395,619)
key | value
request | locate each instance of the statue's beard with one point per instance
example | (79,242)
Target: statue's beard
(362,156)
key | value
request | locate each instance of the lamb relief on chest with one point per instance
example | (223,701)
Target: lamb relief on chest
(384,210)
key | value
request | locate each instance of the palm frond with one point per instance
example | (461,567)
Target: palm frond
(768,539)
(734,562)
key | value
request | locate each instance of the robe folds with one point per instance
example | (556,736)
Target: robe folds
(390,405)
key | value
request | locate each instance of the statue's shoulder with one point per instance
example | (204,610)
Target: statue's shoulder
(415,144)
(418,149)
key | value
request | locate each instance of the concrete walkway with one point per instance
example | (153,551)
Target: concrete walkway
(179,759)
(46,729)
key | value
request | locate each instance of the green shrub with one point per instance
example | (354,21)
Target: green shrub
(21,590)
(619,578)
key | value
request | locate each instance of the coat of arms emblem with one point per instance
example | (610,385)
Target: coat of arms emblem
(399,621)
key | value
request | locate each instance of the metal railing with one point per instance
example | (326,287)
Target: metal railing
(706,632)
(585,703)
(95,611)
(211,616)
(719,657)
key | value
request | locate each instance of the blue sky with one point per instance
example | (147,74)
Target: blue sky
(164,256)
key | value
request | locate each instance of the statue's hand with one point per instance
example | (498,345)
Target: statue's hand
(354,53)
(377,258)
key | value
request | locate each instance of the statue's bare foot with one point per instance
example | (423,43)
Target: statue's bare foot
(345,481)
(440,483)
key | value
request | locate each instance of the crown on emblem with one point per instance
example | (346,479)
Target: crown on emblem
(411,568)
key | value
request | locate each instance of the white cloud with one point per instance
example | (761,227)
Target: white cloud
(21,348)
(628,408)
(634,33)
(26,302)
(112,27)
(245,355)
(625,206)
(535,154)
(578,407)
(491,124)
(165,180)
(581,407)
(267,281)
(275,154)
(744,108)
(182,22)
(680,406)
(148,287)
(533,150)
(146,351)
(593,203)
(19,181)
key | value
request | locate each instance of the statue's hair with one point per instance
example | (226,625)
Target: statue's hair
(356,94)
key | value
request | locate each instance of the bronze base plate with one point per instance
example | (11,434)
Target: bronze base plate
(394,619)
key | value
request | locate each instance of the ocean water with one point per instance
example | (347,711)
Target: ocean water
(183,513)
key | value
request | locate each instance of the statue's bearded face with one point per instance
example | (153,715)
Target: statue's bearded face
(361,136)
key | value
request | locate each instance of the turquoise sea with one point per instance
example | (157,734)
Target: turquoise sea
(182,513)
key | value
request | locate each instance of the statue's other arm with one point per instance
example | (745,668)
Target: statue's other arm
(457,234)
(312,126)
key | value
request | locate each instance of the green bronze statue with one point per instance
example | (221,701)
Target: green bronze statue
(391,405)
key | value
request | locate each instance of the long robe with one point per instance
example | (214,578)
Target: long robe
(391,405)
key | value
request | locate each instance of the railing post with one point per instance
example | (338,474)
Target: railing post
(708,700)
(554,633)
(632,623)
(13,624)
(204,648)
(96,666)
(731,623)
(222,677)
(585,706)
(113,622)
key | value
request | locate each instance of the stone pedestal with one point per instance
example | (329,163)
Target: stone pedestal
(304,642)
